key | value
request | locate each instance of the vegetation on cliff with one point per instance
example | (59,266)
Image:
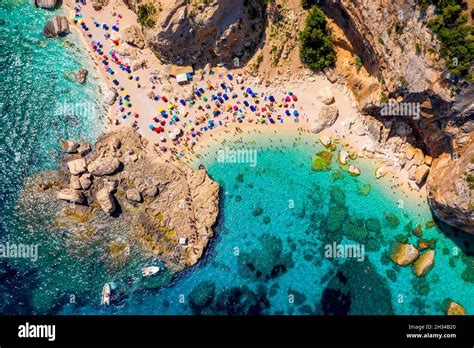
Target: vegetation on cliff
(316,47)
(456,36)
(145,15)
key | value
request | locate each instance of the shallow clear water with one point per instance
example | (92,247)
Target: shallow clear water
(276,218)
(39,105)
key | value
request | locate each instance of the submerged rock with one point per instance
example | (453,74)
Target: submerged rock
(403,254)
(322,161)
(81,76)
(455,308)
(424,263)
(47,4)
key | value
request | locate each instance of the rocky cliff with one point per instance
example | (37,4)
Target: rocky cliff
(194,31)
(120,190)
(398,49)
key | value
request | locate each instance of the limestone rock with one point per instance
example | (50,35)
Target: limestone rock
(421,173)
(197,32)
(403,254)
(77,166)
(455,308)
(133,195)
(325,141)
(58,26)
(343,157)
(134,36)
(74,183)
(325,118)
(84,148)
(106,200)
(69,146)
(47,4)
(85,181)
(424,263)
(353,170)
(380,172)
(325,96)
(449,193)
(110,97)
(104,166)
(151,191)
(418,157)
(71,196)
(81,76)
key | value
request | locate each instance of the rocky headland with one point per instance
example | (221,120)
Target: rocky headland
(120,189)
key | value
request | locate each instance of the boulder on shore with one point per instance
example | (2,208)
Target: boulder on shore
(104,166)
(110,97)
(71,196)
(325,118)
(325,96)
(77,166)
(133,195)
(69,146)
(56,27)
(106,200)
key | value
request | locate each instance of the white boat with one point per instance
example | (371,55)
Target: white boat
(149,271)
(106,293)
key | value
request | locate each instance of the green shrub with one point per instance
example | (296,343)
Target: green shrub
(456,37)
(316,47)
(145,15)
(358,63)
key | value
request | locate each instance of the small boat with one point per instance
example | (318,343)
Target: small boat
(149,271)
(107,293)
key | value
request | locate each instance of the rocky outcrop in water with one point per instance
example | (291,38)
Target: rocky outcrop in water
(123,192)
(201,31)
(57,27)
(81,76)
(47,4)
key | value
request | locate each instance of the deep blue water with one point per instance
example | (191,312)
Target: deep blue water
(276,218)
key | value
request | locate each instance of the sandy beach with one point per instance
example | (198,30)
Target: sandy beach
(181,121)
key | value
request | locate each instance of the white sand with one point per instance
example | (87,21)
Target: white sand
(307,105)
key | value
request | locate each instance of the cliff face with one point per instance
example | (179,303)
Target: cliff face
(393,42)
(199,32)
(450,192)
(122,192)
(399,50)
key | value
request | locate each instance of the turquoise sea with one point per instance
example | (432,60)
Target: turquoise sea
(276,218)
